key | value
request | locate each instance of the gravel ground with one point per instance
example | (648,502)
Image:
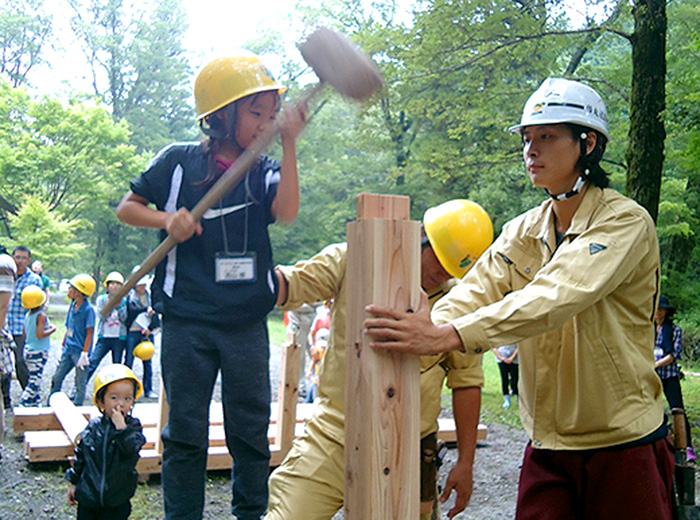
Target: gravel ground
(37,490)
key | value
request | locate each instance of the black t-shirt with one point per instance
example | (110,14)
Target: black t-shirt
(185,285)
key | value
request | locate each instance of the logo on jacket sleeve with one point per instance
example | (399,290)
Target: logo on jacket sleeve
(595,248)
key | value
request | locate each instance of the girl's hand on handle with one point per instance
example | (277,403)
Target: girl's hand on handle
(293,120)
(181,226)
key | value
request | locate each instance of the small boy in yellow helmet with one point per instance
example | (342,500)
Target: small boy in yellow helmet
(103,478)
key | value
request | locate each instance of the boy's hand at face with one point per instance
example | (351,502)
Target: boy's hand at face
(118,418)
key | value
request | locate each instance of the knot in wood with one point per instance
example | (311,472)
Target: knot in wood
(391,393)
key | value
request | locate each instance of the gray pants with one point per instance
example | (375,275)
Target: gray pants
(192,355)
(69,361)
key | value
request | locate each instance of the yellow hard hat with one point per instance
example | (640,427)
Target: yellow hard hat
(112,373)
(459,231)
(84,283)
(228,79)
(114,276)
(33,297)
(144,350)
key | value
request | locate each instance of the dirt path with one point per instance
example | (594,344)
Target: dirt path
(37,491)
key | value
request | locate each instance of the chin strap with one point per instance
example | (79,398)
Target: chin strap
(580,183)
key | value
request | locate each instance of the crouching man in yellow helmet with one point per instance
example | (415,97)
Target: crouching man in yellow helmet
(310,482)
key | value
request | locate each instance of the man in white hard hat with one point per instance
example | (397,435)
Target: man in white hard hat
(574,282)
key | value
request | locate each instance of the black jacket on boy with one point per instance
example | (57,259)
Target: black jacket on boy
(104,471)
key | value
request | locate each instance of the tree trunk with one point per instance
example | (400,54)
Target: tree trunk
(645,152)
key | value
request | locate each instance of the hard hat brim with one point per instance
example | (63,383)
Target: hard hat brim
(281,89)
(516,128)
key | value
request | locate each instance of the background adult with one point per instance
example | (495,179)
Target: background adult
(8,273)
(299,323)
(507,359)
(667,352)
(38,268)
(16,313)
(309,484)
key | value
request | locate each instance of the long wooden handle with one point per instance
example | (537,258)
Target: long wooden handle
(228,179)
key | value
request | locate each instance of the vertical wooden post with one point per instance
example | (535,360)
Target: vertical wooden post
(382,405)
(163,410)
(287,396)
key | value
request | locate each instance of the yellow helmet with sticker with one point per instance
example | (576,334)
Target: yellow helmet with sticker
(459,231)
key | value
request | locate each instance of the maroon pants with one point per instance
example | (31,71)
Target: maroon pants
(605,484)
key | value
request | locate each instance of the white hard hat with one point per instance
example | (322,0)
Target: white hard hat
(141,281)
(322,334)
(560,100)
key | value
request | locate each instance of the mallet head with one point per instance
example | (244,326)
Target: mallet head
(340,63)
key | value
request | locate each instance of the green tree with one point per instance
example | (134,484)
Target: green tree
(679,220)
(78,162)
(138,65)
(49,236)
(24,31)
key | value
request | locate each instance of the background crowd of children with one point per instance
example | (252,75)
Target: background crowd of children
(127,333)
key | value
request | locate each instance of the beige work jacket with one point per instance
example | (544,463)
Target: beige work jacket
(582,315)
(322,278)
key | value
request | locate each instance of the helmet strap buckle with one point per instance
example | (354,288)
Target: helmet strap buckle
(580,183)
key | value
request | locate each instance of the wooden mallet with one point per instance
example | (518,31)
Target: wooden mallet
(337,62)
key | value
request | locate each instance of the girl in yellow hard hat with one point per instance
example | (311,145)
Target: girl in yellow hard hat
(215,289)
(37,332)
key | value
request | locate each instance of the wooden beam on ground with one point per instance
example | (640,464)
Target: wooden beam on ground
(29,419)
(72,421)
(447,431)
(44,445)
(382,408)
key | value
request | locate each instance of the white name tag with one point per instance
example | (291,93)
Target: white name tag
(235,268)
